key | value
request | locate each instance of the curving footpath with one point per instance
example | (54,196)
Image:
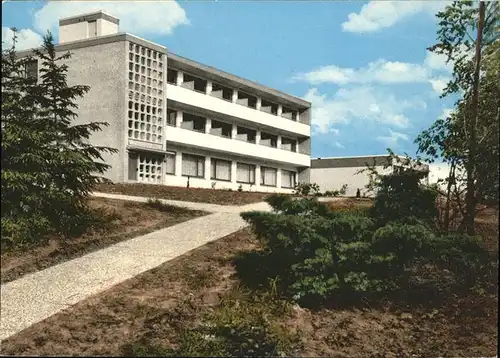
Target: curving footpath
(42,294)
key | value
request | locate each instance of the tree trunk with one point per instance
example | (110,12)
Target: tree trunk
(471,195)
(451,181)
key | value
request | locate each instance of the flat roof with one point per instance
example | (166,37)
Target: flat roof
(354,156)
(349,162)
(100,40)
(88,17)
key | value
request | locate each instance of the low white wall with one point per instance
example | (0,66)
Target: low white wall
(334,178)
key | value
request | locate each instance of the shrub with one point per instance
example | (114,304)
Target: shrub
(289,206)
(316,252)
(335,193)
(400,196)
(306,189)
(167,208)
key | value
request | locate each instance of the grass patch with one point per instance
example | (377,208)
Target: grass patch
(166,208)
(244,323)
(197,195)
(106,222)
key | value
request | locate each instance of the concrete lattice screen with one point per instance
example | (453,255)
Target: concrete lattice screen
(145,106)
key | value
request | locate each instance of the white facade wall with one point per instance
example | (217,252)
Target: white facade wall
(106,27)
(73,32)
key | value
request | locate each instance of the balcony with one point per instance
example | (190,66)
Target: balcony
(239,147)
(250,115)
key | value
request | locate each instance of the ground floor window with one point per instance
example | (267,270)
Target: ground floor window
(193,165)
(170,163)
(287,179)
(268,176)
(220,169)
(245,173)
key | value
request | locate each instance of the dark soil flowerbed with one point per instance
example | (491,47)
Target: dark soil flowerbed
(126,220)
(211,196)
(154,310)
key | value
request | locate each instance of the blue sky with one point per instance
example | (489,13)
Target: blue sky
(363,65)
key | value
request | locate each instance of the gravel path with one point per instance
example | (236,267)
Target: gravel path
(42,294)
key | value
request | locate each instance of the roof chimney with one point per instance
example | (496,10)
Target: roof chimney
(87,26)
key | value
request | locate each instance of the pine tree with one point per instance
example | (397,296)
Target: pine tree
(48,165)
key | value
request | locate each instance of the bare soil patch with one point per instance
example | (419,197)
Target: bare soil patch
(127,220)
(156,308)
(211,196)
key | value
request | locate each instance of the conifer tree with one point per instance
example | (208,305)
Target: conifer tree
(48,165)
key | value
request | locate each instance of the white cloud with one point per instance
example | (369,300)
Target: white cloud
(380,71)
(393,138)
(26,39)
(339,145)
(439,84)
(434,70)
(377,15)
(361,103)
(438,62)
(446,113)
(139,17)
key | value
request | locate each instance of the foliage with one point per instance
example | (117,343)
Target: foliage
(167,208)
(402,193)
(467,139)
(334,193)
(317,253)
(241,325)
(306,189)
(401,196)
(48,167)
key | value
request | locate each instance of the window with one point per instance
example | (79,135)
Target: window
(32,69)
(245,173)
(92,28)
(170,159)
(220,169)
(222,92)
(193,165)
(171,76)
(193,122)
(268,176)
(288,144)
(287,179)
(194,83)
(268,140)
(221,129)
(171,118)
(245,134)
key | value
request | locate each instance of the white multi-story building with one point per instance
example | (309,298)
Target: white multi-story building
(174,120)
